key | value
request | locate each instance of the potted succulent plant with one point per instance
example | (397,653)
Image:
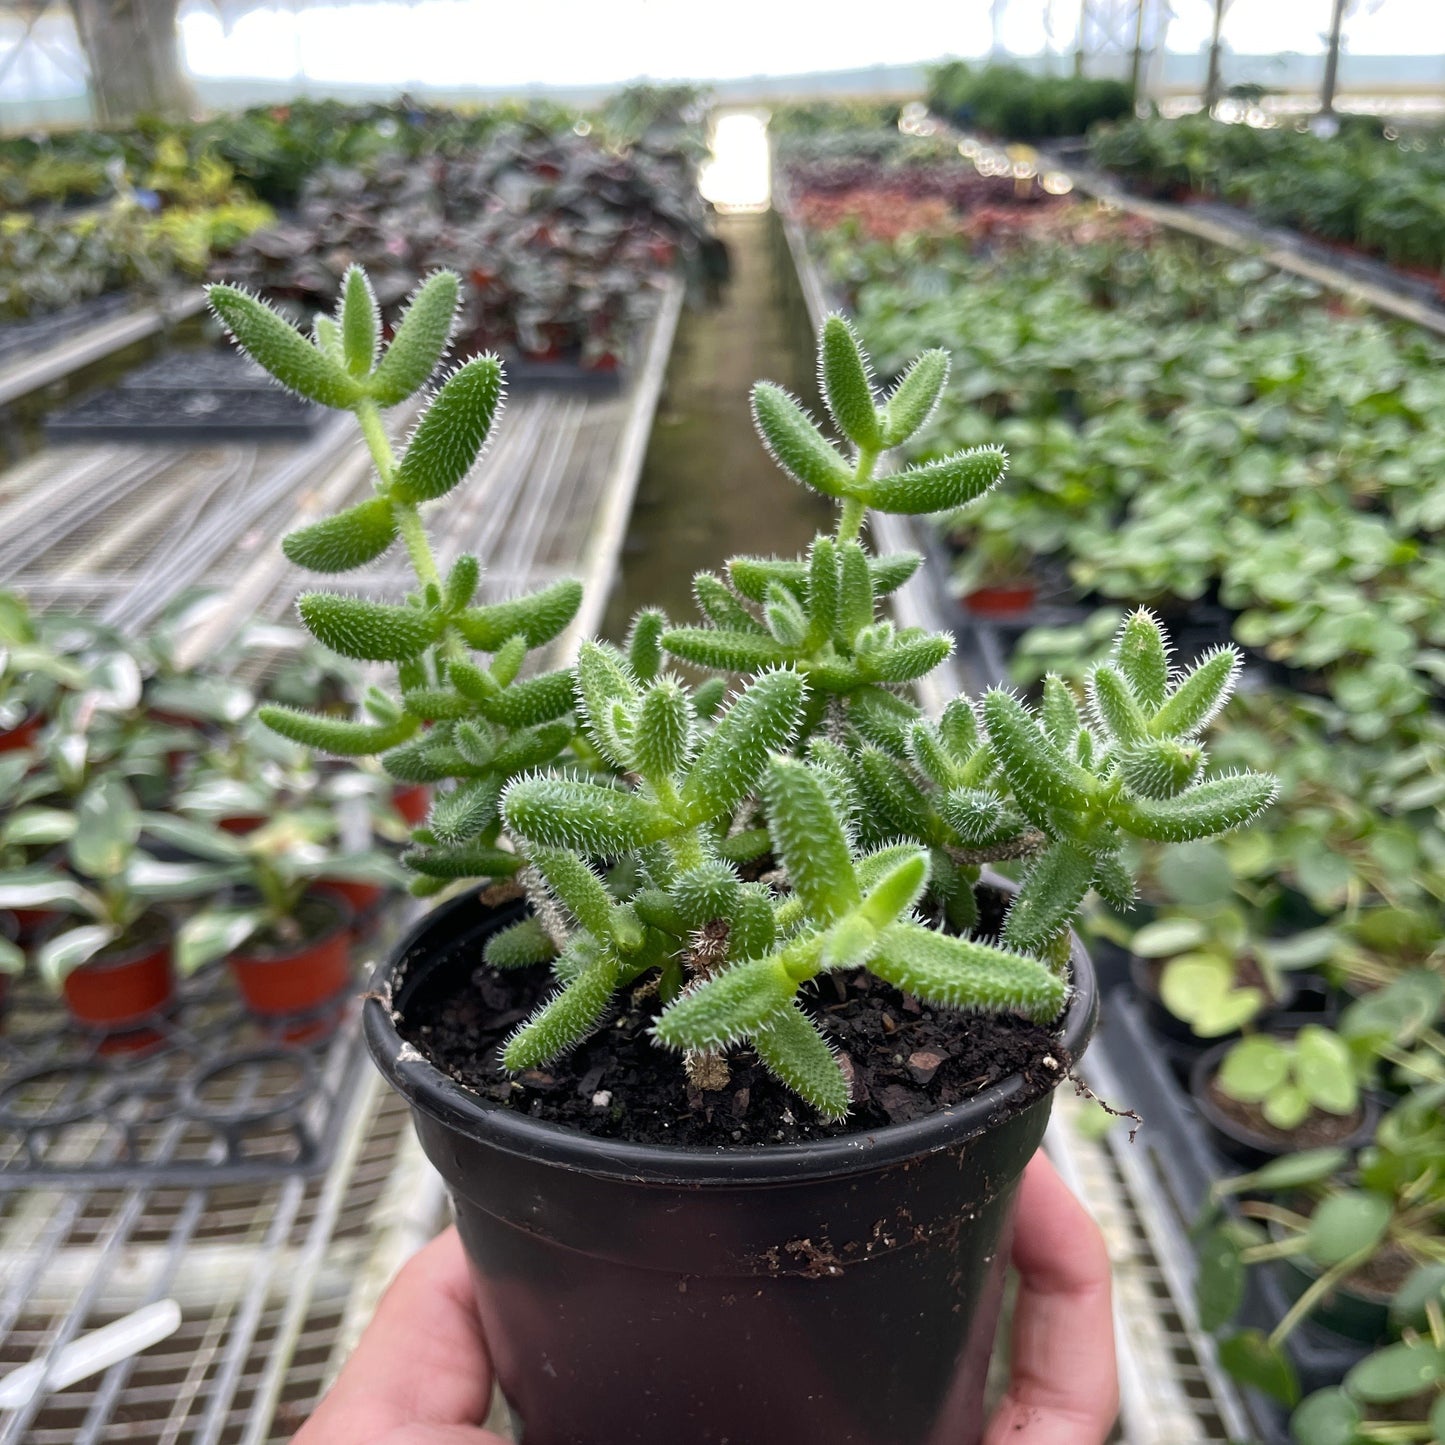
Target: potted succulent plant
(113,964)
(831,1035)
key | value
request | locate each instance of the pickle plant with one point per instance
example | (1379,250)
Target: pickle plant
(813,821)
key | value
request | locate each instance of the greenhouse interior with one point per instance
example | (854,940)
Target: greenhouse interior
(722,729)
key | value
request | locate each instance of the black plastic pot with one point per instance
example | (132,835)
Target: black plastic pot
(843,1291)
(1248,1147)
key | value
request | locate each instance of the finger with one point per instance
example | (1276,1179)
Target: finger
(421,1362)
(1064,1386)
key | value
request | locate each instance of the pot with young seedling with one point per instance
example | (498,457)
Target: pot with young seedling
(108,952)
(285,937)
(1271,1094)
(763,1050)
(1205,976)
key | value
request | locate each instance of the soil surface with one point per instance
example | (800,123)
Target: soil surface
(1318,1129)
(906,1060)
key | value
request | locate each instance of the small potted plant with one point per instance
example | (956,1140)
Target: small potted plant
(286,938)
(763,1049)
(1270,1094)
(112,963)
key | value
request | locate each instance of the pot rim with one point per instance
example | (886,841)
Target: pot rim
(428,1090)
(140,951)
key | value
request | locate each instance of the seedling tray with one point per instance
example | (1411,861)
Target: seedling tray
(1186,1164)
(199,1095)
(198,370)
(186,416)
(40,333)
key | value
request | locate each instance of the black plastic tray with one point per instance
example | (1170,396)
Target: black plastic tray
(39,333)
(191,415)
(201,1094)
(524,375)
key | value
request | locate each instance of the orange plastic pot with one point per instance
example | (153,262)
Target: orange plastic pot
(126,983)
(361,898)
(1009,601)
(291,980)
(412,802)
(19,737)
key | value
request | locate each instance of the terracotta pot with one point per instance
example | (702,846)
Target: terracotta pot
(19,737)
(127,983)
(1011,600)
(362,899)
(412,801)
(287,980)
(242,823)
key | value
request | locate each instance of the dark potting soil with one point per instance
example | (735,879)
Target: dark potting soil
(906,1060)
(1318,1130)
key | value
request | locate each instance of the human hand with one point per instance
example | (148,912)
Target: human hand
(422,1376)
(1064,1383)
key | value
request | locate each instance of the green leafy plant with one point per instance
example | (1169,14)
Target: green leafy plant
(106,880)
(1289,1078)
(873,821)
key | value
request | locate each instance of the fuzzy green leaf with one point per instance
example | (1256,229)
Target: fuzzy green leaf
(350,539)
(809,840)
(965,974)
(718,604)
(276,345)
(938,486)
(910,657)
(785,617)
(521,945)
(726,649)
(463,812)
(751,926)
(370,631)
(568,813)
(1142,653)
(524,704)
(565,1019)
(1199,696)
(1161,767)
(761,721)
(793,1049)
(434,704)
(461,582)
(468,861)
(360,322)
(663,734)
(890,792)
(340,737)
(420,341)
(977,815)
(538,616)
(644,643)
(531,747)
(1052,891)
(751,575)
(823,584)
(1114,705)
(728,1007)
(1060,712)
(575,883)
(912,402)
(855,594)
(796,444)
(1201,812)
(452,431)
(705,892)
(1038,771)
(847,384)
(891,572)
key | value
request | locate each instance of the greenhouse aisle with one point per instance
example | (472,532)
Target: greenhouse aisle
(708,489)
